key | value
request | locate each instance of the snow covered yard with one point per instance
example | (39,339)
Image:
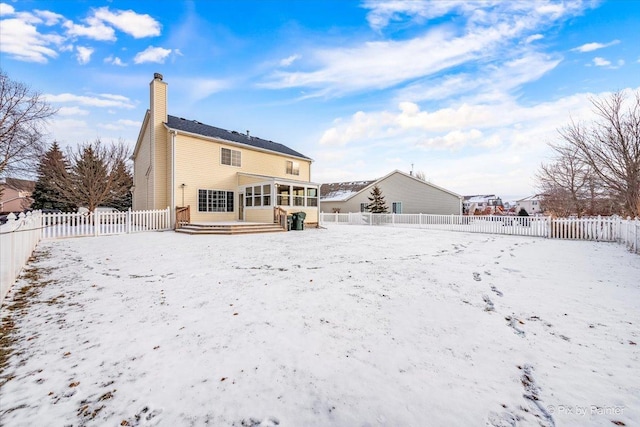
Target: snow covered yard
(348,326)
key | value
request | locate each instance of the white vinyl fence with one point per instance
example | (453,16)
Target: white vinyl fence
(18,238)
(60,225)
(20,235)
(608,229)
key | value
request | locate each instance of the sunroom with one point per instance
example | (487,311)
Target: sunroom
(260,196)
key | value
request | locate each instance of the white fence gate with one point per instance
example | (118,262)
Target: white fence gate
(20,235)
(608,229)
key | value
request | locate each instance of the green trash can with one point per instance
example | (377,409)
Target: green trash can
(289,222)
(298,220)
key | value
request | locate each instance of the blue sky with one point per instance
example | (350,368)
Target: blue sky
(470,93)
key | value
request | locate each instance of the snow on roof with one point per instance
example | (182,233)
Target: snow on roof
(340,191)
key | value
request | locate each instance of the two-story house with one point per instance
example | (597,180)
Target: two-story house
(222,175)
(15,194)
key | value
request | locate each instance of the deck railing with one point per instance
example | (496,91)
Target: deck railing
(183,216)
(280,217)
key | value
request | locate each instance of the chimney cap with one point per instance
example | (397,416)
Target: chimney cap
(157,76)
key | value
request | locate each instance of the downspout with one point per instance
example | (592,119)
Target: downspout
(172,188)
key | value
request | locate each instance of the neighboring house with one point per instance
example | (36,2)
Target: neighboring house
(222,175)
(403,193)
(483,204)
(16,194)
(530,204)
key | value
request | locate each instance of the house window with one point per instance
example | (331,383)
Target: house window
(266,195)
(283,195)
(312,197)
(230,157)
(293,168)
(396,207)
(298,196)
(534,203)
(215,201)
(364,207)
(259,195)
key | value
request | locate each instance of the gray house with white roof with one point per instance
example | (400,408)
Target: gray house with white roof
(403,193)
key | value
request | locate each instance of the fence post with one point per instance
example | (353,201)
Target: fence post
(96,222)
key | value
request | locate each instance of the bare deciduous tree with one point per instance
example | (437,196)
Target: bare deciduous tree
(98,175)
(599,161)
(611,147)
(564,182)
(23,116)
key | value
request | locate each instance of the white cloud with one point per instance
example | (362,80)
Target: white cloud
(450,125)
(120,125)
(113,97)
(95,29)
(6,9)
(452,141)
(533,38)
(488,83)
(114,61)
(152,54)
(590,47)
(383,12)
(601,62)
(129,22)
(490,31)
(102,101)
(23,42)
(289,60)
(84,54)
(72,111)
(49,18)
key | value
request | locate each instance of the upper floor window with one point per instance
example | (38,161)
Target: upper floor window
(293,168)
(230,157)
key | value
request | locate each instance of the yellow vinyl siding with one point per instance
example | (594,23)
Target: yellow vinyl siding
(198,166)
(248,180)
(143,183)
(259,215)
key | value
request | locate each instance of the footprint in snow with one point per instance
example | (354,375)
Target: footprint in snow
(494,289)
(254,422)
(504,419)
(513,324)
(489,304)
(476,276)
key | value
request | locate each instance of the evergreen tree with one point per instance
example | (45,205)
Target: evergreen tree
(378,204)
(123,181)
(45,195)
(523,212)
(98,176)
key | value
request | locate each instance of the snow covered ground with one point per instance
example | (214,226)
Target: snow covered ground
(347,326)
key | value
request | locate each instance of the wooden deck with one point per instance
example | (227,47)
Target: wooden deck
(229,227)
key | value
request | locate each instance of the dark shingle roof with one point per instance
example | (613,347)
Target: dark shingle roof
(19,184)
(195,127)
